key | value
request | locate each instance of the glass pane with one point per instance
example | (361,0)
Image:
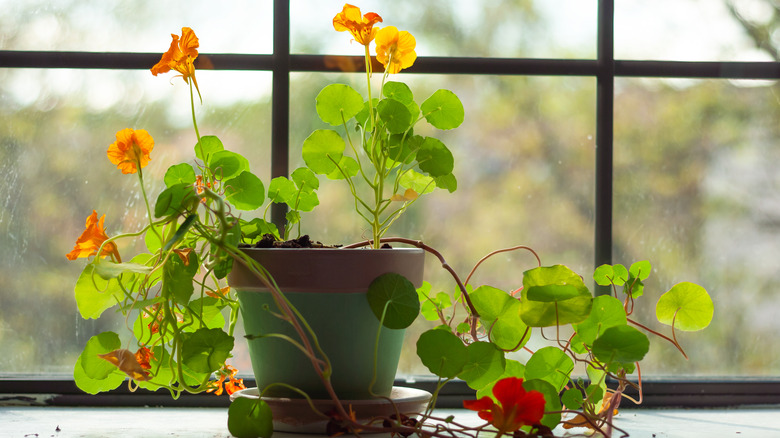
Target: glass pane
(524,160)
(133,26)
(696,188)
(54,131)
(506,28)
(696,30)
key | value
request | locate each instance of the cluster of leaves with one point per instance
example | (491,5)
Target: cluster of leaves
(175,294)
(396,165)
(602,335)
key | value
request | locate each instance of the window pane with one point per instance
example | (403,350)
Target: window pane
(128,25)
(524,160)
(696,188)
(505,28)
(695,30)
(53,159)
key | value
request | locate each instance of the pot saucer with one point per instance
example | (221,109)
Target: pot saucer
(295,415)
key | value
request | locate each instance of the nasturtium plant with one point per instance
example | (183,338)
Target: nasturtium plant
(181,313)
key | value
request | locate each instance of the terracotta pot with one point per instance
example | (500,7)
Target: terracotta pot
(328,287)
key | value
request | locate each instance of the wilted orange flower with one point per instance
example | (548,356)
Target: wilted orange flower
(125,360)
(222,293)
(90,240)
(180,56)
(394,49)
(233,384)
(579,420)
(144,356)
(360,26)
(131,149)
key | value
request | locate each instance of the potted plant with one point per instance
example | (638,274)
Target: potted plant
(199,259)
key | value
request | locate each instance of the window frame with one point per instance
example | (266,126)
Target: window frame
(708,392)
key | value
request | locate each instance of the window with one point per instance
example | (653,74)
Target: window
(596,131)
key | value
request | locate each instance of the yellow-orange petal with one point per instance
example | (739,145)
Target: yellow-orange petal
(131,149)
(394,49)
(92,238)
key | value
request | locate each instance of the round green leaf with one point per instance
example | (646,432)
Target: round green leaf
(208,146)
(227,164)
(554,295)
(509,332)
(305,179)
(484,364)
(94,294)
(394,296)
(395,115)
(607,311)
(442,352)
(175,200)
(686,305)
(322,150)
(622,344)
(338,103)
(447,182)
(398,91)
(550,364)
(434,158)
(552,400)
(347,165)
(418,182)
(490,302)
(281,190)
(572,398)
(250,418)
(307,201)
(94,367)
(641,270)
(443,110)
(181,173)
(206,350)
(245,192)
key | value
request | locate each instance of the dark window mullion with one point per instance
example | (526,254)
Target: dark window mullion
(605,86)
(280,103)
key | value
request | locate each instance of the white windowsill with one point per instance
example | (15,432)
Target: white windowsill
(43,422)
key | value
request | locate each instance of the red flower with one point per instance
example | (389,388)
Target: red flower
(516,407)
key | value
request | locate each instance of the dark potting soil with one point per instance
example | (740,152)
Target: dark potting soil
(269,241)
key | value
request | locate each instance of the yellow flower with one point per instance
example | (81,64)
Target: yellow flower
(90,240)
(131,149)
(360,26)
(394,49)
(180,56)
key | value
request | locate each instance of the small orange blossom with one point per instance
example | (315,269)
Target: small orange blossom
(131,149)
(92,238)
(180,56)
(360,26)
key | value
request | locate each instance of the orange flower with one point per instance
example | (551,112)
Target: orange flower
(516,407)
(180,56)
(130,150)
(360,26)
(144,356)
(126,361)
(90,240)
(233,384)
(394,49)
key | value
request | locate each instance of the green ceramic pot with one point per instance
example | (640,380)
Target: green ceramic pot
(328,287)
